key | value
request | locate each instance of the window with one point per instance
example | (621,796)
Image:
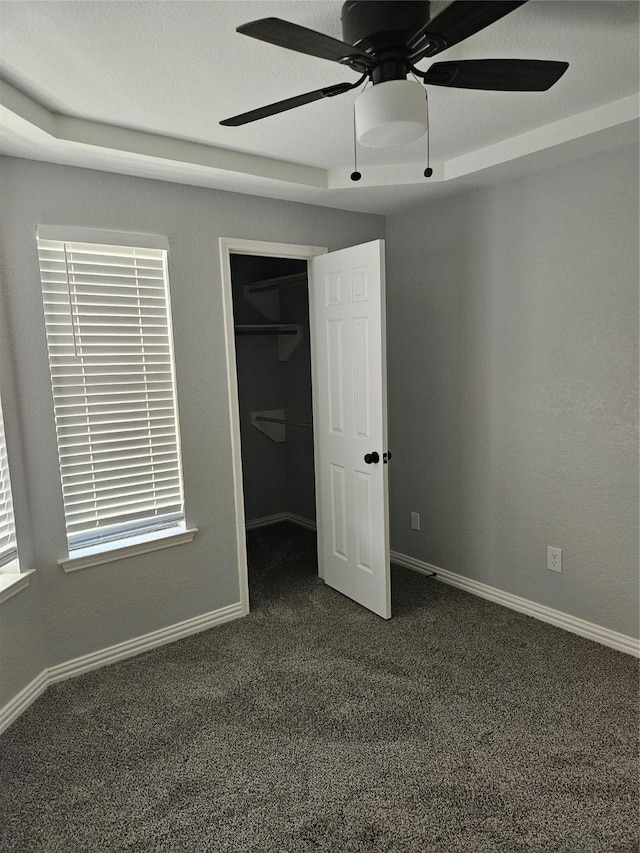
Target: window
(108,323)
(8,548)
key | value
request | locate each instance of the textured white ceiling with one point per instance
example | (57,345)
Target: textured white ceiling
(176,69)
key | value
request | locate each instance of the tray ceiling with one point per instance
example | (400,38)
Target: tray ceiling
(139,87)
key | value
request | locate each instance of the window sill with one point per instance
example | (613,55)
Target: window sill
(87,557)
(13,582)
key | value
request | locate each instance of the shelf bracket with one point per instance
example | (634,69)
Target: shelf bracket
(287,343)
(276,432)
(266,301)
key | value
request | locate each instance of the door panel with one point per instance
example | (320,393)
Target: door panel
(351,421)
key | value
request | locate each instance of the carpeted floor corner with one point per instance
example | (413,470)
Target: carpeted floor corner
(313,725)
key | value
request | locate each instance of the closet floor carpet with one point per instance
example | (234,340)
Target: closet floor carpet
(313,725)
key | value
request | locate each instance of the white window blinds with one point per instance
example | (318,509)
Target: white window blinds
(108,325)
(8,551)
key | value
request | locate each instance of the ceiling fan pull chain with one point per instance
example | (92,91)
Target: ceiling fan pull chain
(355,175)
(428,171)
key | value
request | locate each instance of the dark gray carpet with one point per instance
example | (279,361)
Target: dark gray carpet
(313,725)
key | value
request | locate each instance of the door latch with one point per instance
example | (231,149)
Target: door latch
(386,457)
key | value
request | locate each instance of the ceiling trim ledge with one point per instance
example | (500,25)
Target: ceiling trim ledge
(25,116)
(615,114)
(605,127)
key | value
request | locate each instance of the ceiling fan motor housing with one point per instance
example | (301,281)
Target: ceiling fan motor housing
(382,28)
(375,24)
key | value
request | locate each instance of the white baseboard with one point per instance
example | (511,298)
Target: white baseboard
(16,706)
(604,636)
(301,521)
(21,701)
(129,648)
(266,520)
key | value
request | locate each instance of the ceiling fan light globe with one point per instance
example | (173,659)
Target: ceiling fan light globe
(391,114)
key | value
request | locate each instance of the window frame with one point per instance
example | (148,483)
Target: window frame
(13,578)
(9,561)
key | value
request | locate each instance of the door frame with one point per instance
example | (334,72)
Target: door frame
(237,246)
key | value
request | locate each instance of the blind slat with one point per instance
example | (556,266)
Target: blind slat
(107,518)
(123,486)
(127,467)
(161,496)
(110,475)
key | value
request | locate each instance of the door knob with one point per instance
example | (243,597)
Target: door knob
(371,457)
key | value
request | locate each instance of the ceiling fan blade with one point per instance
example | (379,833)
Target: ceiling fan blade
(287,104)
(295,37)
(504,75)
(457,22)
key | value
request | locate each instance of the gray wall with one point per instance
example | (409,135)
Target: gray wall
(513,383)
(94,608)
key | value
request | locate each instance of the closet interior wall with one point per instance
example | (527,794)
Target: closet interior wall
(278,477)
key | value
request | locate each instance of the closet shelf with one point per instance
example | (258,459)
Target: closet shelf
(267,329)
(282,421)
(274,422)
(289,335)
(274,283)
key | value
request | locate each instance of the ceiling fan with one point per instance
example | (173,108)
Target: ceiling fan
(383,40)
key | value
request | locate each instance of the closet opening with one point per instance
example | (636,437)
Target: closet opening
(270,306)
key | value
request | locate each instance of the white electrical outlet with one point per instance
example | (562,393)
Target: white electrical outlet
(554,559)
(415,521)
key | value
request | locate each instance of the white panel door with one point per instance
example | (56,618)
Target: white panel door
(350,423)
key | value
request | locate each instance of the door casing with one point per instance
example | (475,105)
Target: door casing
(237,246)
